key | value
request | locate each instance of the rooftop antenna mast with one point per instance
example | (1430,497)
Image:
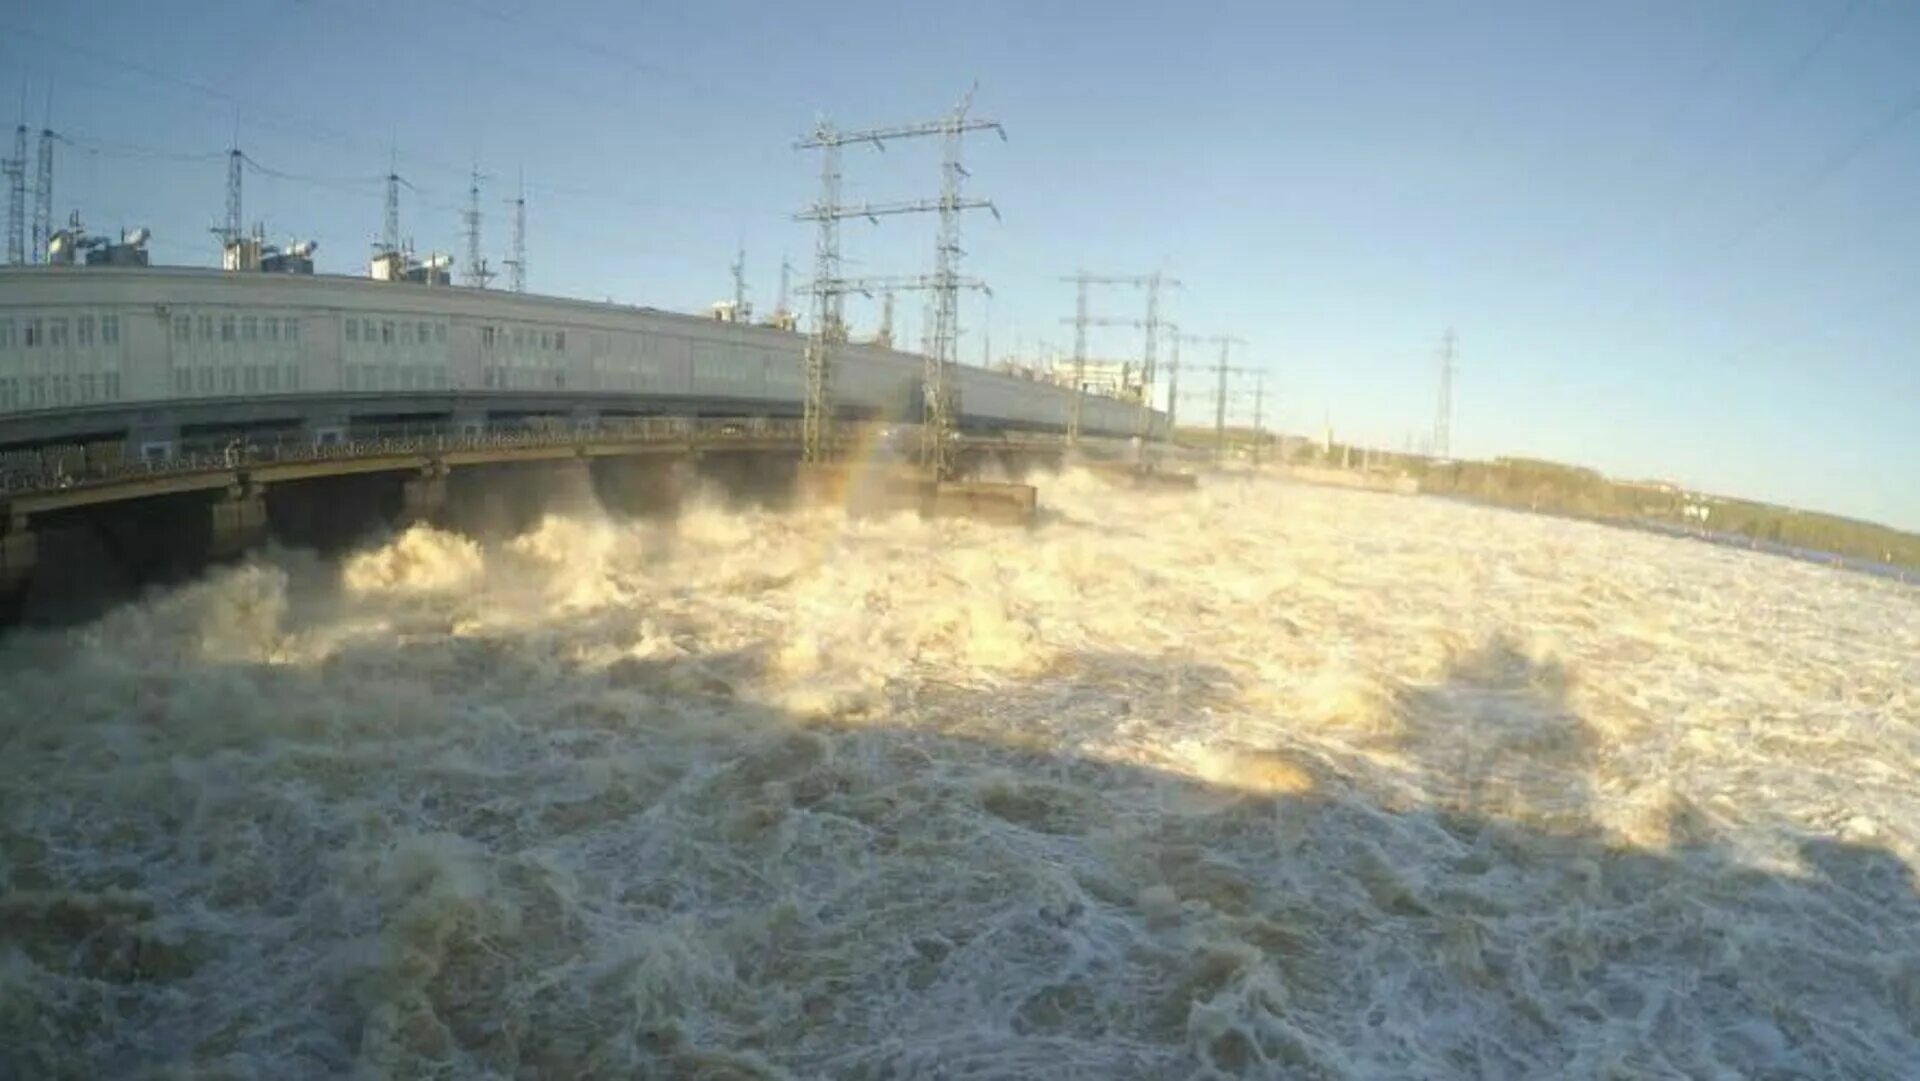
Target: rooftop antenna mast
(1443,412)
(781,307)
(230,232)
(16,171)
(829,289)
(390,229)
(740,310)
(43,186)
(517,262)
(477,273)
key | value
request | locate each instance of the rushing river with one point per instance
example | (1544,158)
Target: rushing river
(1263,781)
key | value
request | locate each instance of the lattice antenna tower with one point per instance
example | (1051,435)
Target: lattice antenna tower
(517,261)
(478,274)
(43,186)
(781,307)
(16,172)
(741,312)
(390,226)
(232,228)
(1443,411)
(829,288)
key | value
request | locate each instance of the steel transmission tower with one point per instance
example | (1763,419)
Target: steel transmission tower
(1176,338)
(1222,370)
(477,273)
(16,170)
(517,262)
(829,288)
(1443,412)
(1080,318)
(1151,324)
(1259,388)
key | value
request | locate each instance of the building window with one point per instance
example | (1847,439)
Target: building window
(368,333)
(33,334)
(110,330)
(519,338)
(560,341)
(249,328)
(183,381)
(183,328)
(270,328)
(353,330)
(290,328)
(386,332)
(36,391)
(421,336)
(293,377)
(486,337)
(272,376)
(110,386)
(406,334)
(229,381)
(86,386)
(546,340)
(83,330)
(251,382)
(206,328)
(206,380)
(226,328)
(6,334)
(440,333)
(62,389)
(56,333)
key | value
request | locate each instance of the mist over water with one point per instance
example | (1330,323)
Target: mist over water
(1263,781)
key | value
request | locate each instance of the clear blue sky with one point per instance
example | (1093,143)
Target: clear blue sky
(1676,239)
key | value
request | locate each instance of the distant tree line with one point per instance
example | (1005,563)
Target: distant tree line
(1553,488)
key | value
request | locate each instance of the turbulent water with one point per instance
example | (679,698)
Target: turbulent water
(1266,781)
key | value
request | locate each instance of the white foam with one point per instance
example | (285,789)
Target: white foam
(1259,780)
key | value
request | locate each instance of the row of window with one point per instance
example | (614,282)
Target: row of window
(205,381)
(405,332)
(235,328)
(51,332)
(498,377)
(523,338)
(51,391)
(360,377)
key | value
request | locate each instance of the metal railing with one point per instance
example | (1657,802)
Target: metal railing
(63,467)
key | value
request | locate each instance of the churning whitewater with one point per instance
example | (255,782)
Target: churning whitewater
(1269,781)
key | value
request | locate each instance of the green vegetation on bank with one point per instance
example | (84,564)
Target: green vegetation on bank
(1553,488)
